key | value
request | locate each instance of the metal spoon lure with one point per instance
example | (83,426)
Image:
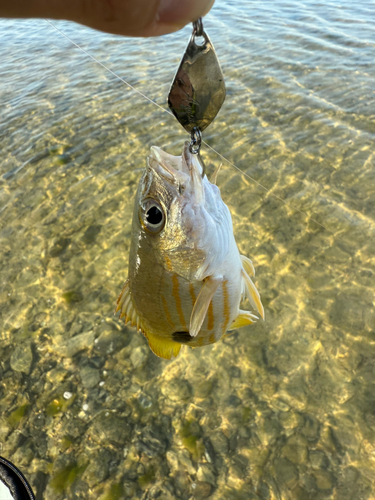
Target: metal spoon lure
(198,90)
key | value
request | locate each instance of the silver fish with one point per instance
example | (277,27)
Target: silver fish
(186,276)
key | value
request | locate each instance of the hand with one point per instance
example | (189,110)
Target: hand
(123,17)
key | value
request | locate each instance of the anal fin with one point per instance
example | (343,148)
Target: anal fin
(162,347)
(244,318)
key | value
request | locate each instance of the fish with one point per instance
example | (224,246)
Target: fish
(186,277)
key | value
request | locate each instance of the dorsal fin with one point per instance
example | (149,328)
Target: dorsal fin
(127,308)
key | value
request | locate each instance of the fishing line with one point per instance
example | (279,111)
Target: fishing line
(268,191)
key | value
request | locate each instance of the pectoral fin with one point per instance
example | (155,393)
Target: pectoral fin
(162,347)
(202,303)
(244,318)
(248,265)
(252,293)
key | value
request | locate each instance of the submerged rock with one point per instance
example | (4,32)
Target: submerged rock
(286,473)
(152,442)
(201,490)
(139,356)
(22,358)
(98,468)
(110,429)
(90,377)
(177,390)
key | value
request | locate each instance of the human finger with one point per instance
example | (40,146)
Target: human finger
(123,17)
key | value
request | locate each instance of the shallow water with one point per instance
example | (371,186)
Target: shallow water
(284,409)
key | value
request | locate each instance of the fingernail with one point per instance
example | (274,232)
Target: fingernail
(181,12)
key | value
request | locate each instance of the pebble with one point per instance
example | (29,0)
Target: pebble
(74,345)
(201,490)
(90,377)
(22,358)
(308,482)
(234,372)
(324,479)
(203,388)
(206,473)
(295,450)
(97,470)
(347,312)
(110,429)
(161,491)
(91,233)
(177,390)
(172,459)
(144,401)
(23,456)
(152,442)
(285,472)
(182,482)
(291,420)
(185,462)
(311,428)
(139,356)
(220,443)
(268,431)
(238,466)
(233,401)
(57,375)
(258,455)
(318,459)
(109,341)
(58,247)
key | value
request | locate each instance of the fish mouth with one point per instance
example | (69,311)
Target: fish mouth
(177,169)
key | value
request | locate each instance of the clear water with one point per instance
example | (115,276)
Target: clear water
(284,409)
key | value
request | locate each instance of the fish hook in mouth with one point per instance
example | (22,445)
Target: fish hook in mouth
(203,165)
(195,147)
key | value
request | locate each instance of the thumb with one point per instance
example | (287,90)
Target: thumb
(134,17)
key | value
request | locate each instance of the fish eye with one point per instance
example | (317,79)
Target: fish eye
(152,216)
